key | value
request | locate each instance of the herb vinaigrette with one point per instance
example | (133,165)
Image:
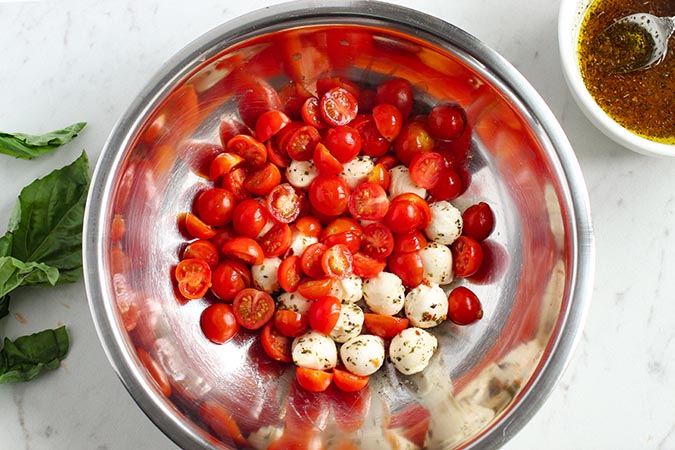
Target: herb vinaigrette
(642,101)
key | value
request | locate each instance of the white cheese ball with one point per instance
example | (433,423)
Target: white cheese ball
(349,323)
(437,262)
(426,306)
(313,350)
(300,241)
(356,171)
(348,290)
(411,350)
(294,302)
(363,355)
(300,174)
(446,223)
(384,294)
(265,275)
(401,183)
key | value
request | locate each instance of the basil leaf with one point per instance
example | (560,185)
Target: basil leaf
(27,356)
(15,273)
(47,224)
(27,146)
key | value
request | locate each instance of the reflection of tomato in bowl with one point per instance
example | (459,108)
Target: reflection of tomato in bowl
(483,382)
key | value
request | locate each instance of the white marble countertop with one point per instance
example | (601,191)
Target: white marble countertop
(63,62)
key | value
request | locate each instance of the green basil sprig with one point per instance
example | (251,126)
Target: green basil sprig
(28,146)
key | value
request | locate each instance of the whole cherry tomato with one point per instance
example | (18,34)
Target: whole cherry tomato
(447,121)
(343,142)
(291,323)
(215,206)
(324,314)
(218,323)
(270,123)
(478,221)
(230,277)
(408,267)
(329,195)
(464,307)
(397,92)
(249,218)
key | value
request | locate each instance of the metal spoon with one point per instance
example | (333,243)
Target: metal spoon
(635,42)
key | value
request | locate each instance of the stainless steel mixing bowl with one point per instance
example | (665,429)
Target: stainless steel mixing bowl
(485,382)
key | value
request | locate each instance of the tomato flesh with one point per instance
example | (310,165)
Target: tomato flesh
(194,278)
(253,308)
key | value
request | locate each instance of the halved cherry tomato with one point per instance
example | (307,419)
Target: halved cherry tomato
(233,181)
(414,138)
(410,242)
(283,203)
(270,123)
(309,226)
(350,239)
(426,169)
(301,142)
(229,278)
(276,345)
(367,267)
(290,273)
(368,201)
(194,278)
(314,289)
(311,114)
(262,181)
(377,241)
(275,155)
(467,256)
(291,323)
(329,195)
(311,260)
(341,225)
(229,128)
(204,250)
(277,240)
(397,92)
(447,121)
(215,206)
(244,249)
(249,218)
(218,323)
(380,175)
(464,307)
(325,162)
(388,120)
(337,262)
(347,381)
(338,106)
(406,214)
(197,228)
(478,221)
(324,314)
(408,267)
(155,371)
(343,142)
(313,380)
(448,187)
(388,161)
(256,96)
(224,163)
(385,327)
(253,308)
(373,144)
(251,149)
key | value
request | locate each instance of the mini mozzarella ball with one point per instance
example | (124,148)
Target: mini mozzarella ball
(437,262)
(411,350)
(348,290)
(426,306)
(300,174)
(349,323)
(446,223)
(300,241)
(294,302)
(384,294)
(401,183)
(265,275)
(313,350)
(356,171)
(363,355)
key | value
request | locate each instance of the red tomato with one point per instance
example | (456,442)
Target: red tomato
(300,144)
(405,216)
(290,273)
(309,226)
(385,327)
(275,155)
(244,249)
(293,96)
(343,142)
(348,238)
(325,162)
(218,323)
(277,240)
(380,175)
(291,323)
(464,307)
(249,218)
(233,181)
(311,260)
(368,201)
(341,225)
(223,234)
(313,289)
(388,161)
(388,120)
(194,278)
(229,278)
(311,114)
(262,181)
(373,144)
(283,203)
(255,98)
(447,121)
(324,314)
(251,149)
(377,241)
(313,380)
(253,308)
(337,262)
(448,187)
(329,195)
(367,267)
(408,267)
(276,345)
(155,371)
(349,382)
(204,250)
(414,138)
(229,128)
(338,106)
(467,256)
(409,242)
(222,164)
(478,221)
(426,169)
(270,123)
(325,84)
(397,92)
(215,206)
(198,229)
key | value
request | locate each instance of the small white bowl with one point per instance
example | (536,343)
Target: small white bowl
(570,18)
